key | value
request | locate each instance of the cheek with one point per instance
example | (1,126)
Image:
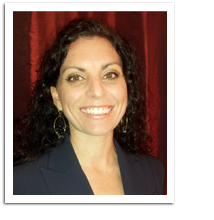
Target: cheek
(122,91)
(69,96)
(120,95)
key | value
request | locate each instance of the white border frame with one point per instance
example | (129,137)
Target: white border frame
(9,8)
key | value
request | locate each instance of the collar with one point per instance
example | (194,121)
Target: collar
(65,176)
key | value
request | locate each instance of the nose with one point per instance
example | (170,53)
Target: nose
(96,88)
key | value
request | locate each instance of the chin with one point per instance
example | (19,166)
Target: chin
(94,129)
(99,132)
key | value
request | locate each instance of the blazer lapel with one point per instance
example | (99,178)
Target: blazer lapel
(133,176)
(64,175)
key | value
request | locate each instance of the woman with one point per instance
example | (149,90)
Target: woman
(85,130)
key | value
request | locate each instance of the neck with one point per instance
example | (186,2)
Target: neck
(93,151)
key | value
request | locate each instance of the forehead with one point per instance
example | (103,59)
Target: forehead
(92,48)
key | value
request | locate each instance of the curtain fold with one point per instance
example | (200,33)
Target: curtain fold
(35,31)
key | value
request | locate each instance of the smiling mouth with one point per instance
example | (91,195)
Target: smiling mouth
(96,111)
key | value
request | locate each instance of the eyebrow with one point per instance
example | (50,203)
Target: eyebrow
(84,70)
(74,67)
(109,64)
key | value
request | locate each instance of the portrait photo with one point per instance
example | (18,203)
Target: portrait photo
(91,103)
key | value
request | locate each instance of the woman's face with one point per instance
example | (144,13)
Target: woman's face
(91,89)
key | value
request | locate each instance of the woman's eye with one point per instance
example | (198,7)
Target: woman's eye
(75,78)
(110,75)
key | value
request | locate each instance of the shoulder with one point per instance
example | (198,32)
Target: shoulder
(35,178)
(149,162)
(27,175)
(155,164)
(149,170)
(146,172)
(20,186)
(154,170)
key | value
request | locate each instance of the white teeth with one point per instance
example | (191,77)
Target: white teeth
(83,110)
(96,111)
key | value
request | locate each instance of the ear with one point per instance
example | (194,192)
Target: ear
(55,97)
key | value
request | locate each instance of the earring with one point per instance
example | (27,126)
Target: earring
(124,128)
(59,130)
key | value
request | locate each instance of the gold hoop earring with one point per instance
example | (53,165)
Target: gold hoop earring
(124,128)
(59,130)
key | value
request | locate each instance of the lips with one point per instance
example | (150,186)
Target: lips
(96,110)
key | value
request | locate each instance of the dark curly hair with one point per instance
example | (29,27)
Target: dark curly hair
(35,134)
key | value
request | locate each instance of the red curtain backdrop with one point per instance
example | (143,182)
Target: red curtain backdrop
(33,33)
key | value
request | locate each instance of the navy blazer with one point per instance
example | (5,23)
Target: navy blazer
(58,172)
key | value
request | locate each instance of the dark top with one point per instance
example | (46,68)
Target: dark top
(58,172)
